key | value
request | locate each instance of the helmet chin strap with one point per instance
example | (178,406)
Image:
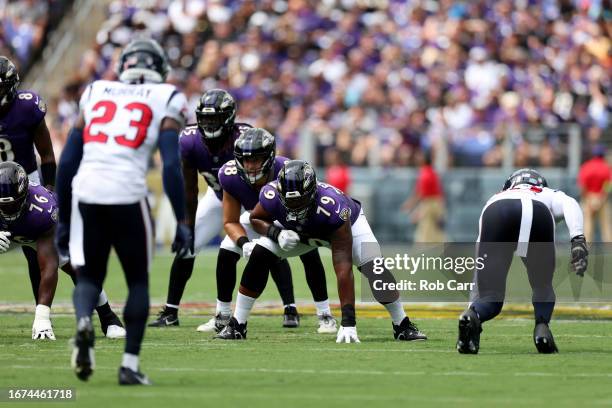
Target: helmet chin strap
(216,133)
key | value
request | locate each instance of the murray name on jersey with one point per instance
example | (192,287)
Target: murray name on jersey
(121,132)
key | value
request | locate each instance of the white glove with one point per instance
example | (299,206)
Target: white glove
(288,239)
(42,329)
(247,249)
(5,243)
(347,335)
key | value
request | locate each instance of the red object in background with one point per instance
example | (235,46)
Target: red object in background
(593,175)
(339,176)
(428,183)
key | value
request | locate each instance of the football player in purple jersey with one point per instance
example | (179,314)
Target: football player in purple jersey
(205,147)
(23,127)
(255,165)
(296,214)
(28,215)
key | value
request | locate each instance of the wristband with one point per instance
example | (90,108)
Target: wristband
(348,316)
(241,241)
(273,232)
(48,171)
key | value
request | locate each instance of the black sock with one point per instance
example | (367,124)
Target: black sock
(179,275)
(281,274)
(226,274)
(135,317)
(543,311)
(85,297)
(315,275)
(104,310)
(487,310)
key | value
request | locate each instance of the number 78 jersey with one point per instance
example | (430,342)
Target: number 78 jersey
(121,132)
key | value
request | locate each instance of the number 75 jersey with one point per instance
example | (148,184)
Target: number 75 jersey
(121,132)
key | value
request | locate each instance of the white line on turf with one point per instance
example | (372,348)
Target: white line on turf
(335,372)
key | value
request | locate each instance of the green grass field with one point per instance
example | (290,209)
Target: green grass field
(281,367)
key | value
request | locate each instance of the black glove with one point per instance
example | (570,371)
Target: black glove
(579,255)
(62,239)
(183,241)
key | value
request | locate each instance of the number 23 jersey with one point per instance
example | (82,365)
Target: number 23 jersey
(121,132)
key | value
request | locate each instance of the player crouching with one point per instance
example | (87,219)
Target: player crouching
(521,218)
(28,216)
(296,214)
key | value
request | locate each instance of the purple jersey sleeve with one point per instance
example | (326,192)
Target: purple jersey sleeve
(187,140)
(38,217)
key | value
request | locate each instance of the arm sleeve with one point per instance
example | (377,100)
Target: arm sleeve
(171,173)
(66,170)
(566,206)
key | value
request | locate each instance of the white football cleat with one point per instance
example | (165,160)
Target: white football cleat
(327,325)
(115,332)
(214,325)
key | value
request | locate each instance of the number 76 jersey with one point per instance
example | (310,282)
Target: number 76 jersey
(121,132)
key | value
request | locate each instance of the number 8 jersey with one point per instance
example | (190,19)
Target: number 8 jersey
(122,124)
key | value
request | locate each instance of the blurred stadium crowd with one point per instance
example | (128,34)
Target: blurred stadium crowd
(24,26)
(380,80)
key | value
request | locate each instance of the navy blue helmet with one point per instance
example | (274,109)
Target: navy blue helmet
(255,143)
(297,188)
(525,176)
(9,81)
(13,190)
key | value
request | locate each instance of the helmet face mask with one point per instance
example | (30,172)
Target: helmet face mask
(143,60)
(525,176)
(13,191)
(215,114)
(9,81)
(254,152)
(297,187)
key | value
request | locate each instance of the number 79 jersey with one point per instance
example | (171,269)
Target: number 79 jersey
(121,132)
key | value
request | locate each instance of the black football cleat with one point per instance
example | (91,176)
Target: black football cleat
(127,376)
(168,316)
(82,360)
(470,328)
(233,331)
(407,331)
(291,318)
(543,339)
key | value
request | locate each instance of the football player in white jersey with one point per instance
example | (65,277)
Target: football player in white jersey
(521,219)
(120,125)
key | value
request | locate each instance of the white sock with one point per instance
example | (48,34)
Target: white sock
(323,307)
(224,308)
(291,305)
(130,361)
(396,311)
(102,299)
(172,306)
(42,312)
(244,305)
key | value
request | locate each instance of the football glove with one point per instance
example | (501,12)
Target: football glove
(579,255)
(183,241)
(42,329)
(288,239)
(247,248)
(5,242)
(62,239)
(347,335)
